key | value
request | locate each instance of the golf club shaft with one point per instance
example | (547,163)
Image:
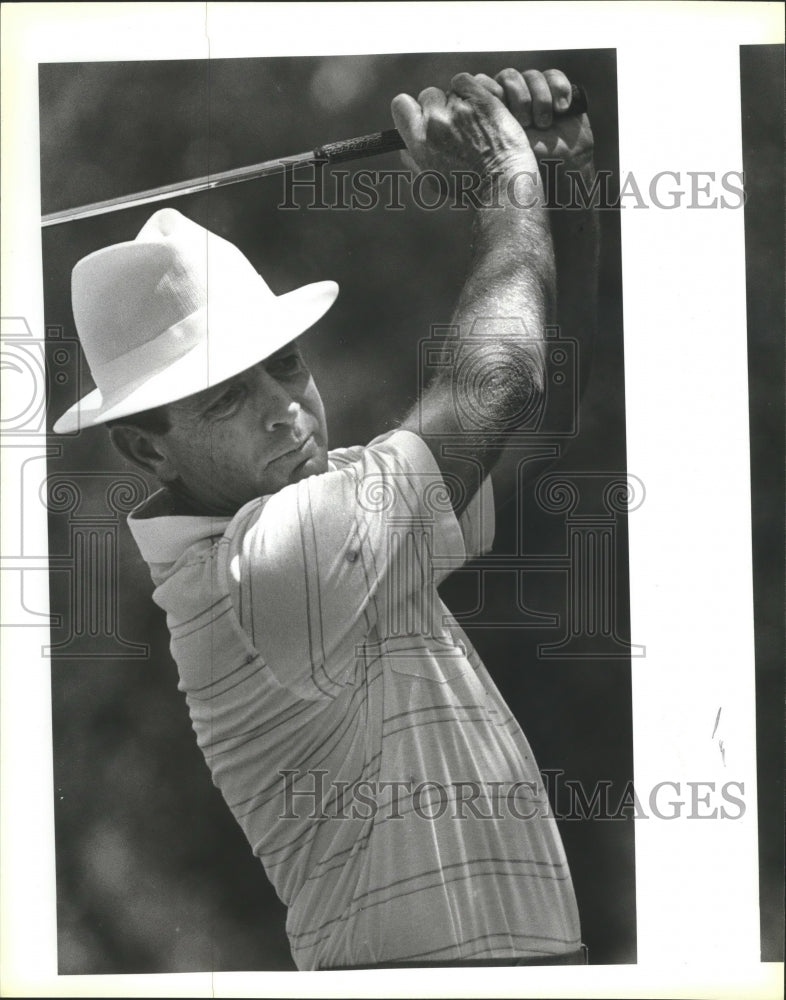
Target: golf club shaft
(333,152)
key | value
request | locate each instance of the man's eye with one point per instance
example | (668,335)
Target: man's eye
(286,364)
(225,403)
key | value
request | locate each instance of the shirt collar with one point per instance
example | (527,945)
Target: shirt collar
(163,536)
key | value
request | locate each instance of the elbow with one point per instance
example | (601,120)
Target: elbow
(501,389)
(527,389)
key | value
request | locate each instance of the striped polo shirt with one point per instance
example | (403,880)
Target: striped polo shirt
(349,724)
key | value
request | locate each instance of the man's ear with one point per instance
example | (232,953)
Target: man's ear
(143,450)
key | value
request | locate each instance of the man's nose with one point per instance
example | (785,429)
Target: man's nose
(277,405)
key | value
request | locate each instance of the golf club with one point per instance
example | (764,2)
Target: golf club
(333,152)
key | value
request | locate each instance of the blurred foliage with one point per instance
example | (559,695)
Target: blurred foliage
(153,873)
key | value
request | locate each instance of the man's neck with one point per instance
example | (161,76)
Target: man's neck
(171,501)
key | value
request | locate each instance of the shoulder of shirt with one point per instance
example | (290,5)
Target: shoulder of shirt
(339,460)
(165,537)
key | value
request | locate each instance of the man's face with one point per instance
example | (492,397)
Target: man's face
(247,437)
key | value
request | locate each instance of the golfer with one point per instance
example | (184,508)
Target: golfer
(354,733)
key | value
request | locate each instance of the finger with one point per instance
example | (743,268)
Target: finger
(432,98)
(517,95)
(465,85)
(491,86)
(560,89)
(408,118)
(541,98)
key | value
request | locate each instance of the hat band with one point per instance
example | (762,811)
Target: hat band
(151,357)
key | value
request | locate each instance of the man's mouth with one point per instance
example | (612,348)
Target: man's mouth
(295,451)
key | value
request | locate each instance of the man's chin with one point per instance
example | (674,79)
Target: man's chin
(314,465)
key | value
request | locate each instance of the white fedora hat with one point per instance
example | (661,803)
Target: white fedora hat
(173,312)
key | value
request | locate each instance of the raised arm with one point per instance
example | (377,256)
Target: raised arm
(564,149)
(498,368)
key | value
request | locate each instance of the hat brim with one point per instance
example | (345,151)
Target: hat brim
(226,352)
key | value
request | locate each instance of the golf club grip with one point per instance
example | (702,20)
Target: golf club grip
(390,140)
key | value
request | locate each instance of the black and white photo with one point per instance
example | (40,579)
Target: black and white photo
(391,538)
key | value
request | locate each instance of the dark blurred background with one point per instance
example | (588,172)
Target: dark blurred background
(761,79)
(153,875)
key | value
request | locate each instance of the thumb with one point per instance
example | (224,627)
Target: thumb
(408,118)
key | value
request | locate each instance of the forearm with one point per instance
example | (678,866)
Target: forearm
(496,371)
(504,306)
(576,241)
(512,270)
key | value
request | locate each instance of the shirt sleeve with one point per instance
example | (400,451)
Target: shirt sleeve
(314,568)
(477,523)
